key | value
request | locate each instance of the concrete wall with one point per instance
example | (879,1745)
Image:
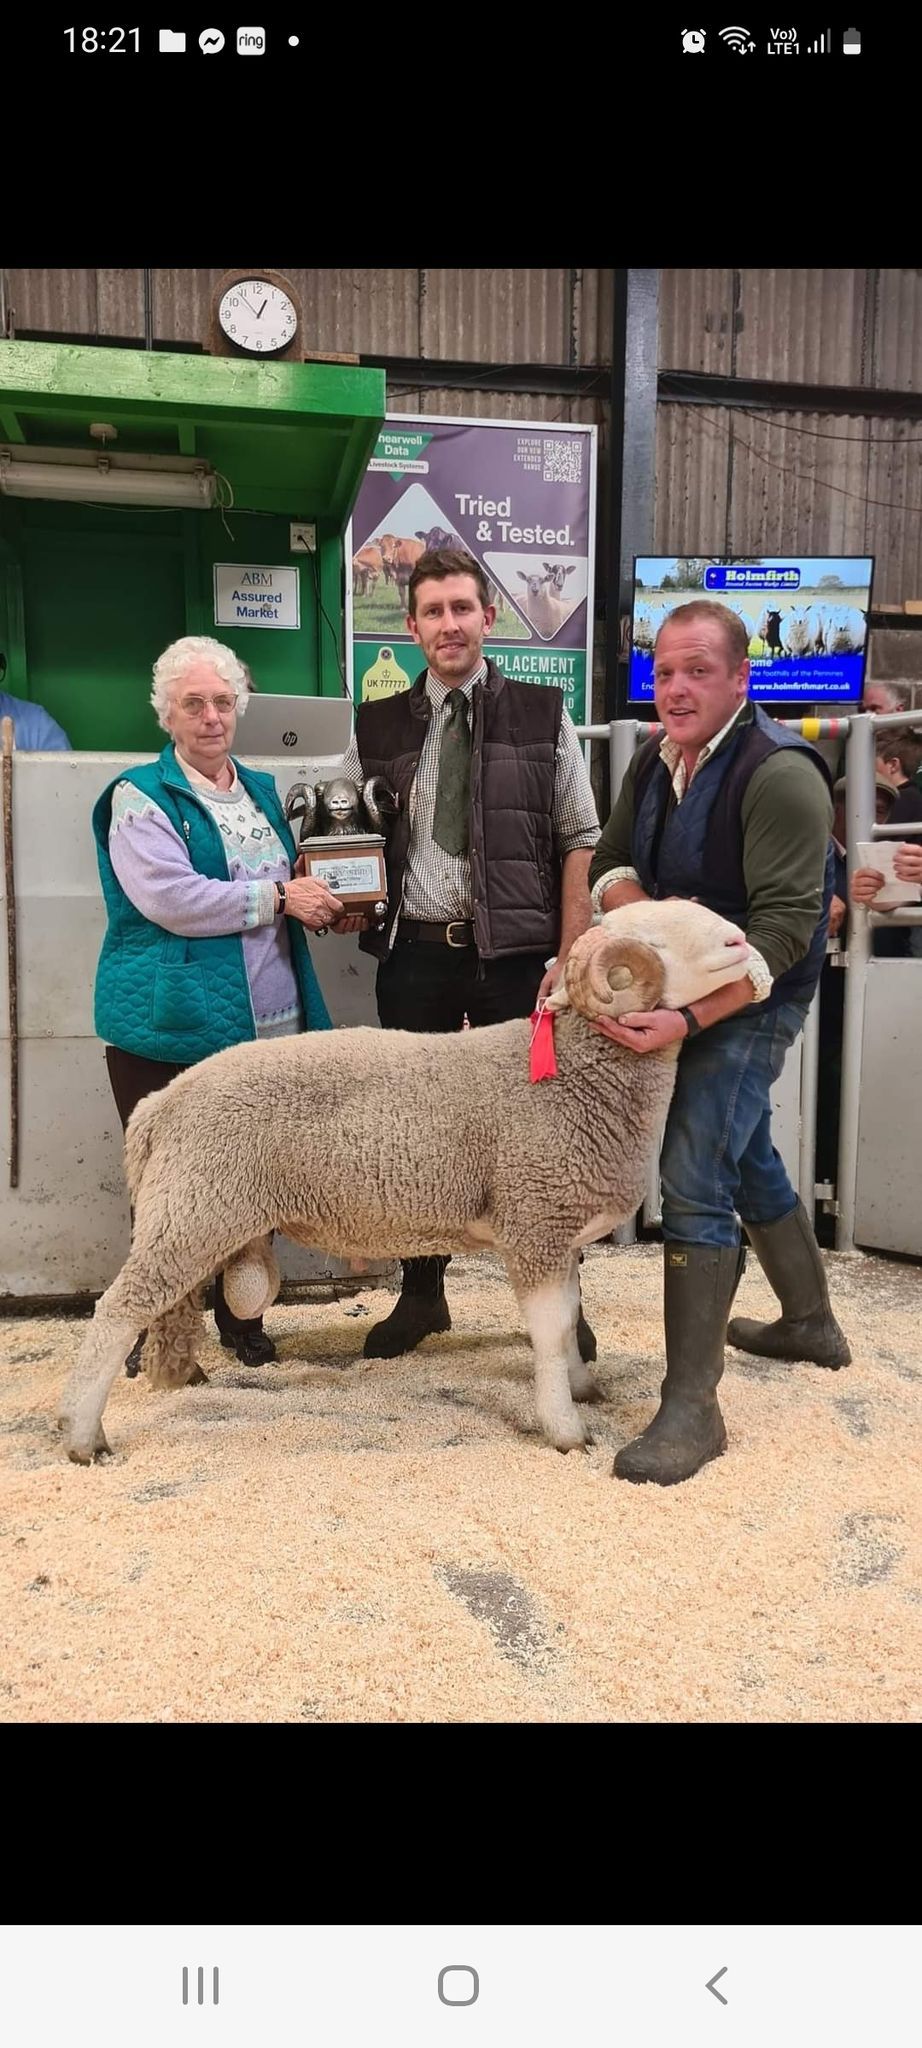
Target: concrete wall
(64,1230)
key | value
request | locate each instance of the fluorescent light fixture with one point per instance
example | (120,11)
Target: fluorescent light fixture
(87,479)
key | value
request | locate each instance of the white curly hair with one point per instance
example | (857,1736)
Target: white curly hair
(180,656)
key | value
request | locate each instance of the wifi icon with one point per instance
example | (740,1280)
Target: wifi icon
(737,39)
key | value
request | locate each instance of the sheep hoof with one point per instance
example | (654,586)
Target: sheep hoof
(572,1436)
(82,1453)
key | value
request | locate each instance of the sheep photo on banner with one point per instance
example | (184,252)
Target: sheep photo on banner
(805,617)
(520,498)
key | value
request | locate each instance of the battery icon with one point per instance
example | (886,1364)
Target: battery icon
(851,42)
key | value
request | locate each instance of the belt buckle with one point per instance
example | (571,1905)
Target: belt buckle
(456,924)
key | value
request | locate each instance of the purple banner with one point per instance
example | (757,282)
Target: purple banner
(520,498)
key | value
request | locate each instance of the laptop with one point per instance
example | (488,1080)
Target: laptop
(309,728)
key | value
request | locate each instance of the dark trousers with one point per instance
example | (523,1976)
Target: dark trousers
(131,1078)
(424,985)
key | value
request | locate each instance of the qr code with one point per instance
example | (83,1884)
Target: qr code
(563,462)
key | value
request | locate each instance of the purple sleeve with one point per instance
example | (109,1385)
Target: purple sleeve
(152,864)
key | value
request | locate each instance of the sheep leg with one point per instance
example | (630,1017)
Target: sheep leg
(550,1312)
(102,1356)
(133,1303)
(171,1351)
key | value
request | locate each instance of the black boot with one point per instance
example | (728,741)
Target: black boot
(246,1337)
(420,1311)
(699,1281)
(585,1337)
(789,1256)
(133,1360)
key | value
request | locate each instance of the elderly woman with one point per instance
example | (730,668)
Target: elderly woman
(205,943)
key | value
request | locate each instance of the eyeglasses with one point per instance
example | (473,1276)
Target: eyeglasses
(196,707)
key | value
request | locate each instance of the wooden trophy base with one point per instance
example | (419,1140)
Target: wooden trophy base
(352,865)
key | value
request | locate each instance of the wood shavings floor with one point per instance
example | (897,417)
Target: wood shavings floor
(335,1540)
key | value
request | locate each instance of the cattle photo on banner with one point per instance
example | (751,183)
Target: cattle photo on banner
(520,498)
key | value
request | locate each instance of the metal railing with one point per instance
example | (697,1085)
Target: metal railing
(861,824)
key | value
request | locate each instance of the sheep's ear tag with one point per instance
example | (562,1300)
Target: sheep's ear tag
(542,1059)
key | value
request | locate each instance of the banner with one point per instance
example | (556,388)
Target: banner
(520,498)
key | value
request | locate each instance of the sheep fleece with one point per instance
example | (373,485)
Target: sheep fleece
(392,1142)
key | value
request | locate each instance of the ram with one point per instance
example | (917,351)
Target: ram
(441,1144)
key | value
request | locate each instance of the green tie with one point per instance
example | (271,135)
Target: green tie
(453,790)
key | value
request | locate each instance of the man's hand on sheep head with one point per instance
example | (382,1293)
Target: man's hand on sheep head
(550,980)
(644,1030)
(631,975)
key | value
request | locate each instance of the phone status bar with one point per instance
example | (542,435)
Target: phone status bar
(739,39)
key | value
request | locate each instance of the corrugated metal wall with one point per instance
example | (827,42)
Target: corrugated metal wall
(811,483)
(479,316)
(727,477)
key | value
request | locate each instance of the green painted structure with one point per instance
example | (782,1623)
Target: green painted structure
(91,594)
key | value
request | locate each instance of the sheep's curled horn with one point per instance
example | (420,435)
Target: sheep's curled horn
(380,801)
(301,802)
(606,975)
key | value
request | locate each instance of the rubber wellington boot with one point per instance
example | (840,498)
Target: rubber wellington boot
(699,1281)
(789,1256)
(245,1336)
(420,1311)
(585,1337)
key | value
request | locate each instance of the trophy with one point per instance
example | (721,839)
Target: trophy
(335,842)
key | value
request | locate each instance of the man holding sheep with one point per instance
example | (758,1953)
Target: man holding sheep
(734,811)
(487,859)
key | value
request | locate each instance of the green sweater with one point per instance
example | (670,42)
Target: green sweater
(786,818)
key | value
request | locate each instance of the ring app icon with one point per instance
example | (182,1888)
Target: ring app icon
(251,42)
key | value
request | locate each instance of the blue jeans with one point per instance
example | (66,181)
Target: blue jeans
(718,1159)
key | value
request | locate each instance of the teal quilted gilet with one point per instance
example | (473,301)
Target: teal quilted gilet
(170,998)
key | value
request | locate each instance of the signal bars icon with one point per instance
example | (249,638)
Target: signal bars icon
(201,1986)
(823,45)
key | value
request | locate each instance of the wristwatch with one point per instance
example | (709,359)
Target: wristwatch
(280,892)
(691,1022)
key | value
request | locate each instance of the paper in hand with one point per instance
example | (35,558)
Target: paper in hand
(880,854)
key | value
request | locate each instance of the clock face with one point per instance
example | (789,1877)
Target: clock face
(258,317)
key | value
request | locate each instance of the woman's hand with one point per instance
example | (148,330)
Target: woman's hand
(312,903)
(836,916)
(865,884)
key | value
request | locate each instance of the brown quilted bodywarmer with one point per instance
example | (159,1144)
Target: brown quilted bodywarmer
(515,869)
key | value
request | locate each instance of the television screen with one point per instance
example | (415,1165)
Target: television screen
(806,617)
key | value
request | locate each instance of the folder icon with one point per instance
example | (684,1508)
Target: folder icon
(172,39)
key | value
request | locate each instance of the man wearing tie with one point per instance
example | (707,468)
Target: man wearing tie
(487,858)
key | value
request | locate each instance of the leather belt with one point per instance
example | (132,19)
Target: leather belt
(456,933)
